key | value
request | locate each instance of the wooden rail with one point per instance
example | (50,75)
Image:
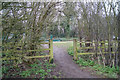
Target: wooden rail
(101,45)
(50,43)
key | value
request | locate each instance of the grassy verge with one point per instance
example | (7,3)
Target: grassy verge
(100,69)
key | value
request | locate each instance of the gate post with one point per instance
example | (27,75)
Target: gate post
(75,49)
(51,50)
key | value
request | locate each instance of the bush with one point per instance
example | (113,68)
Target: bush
(70,51)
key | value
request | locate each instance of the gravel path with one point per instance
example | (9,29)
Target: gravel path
(66,64)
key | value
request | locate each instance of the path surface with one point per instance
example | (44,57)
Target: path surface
(66,64)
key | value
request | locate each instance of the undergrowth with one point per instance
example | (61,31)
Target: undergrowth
(100,69)
(36,70)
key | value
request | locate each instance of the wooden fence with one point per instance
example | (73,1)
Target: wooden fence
(101,45)
(50,43)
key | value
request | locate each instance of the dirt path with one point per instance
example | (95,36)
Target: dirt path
(66,65)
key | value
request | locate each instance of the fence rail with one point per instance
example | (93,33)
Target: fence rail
(101,45)
(50,49)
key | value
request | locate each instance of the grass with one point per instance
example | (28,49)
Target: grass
(63,43)
(100,69)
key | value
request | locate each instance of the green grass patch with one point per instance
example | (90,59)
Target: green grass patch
(63,43)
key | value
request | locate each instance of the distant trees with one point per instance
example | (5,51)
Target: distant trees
(64,23)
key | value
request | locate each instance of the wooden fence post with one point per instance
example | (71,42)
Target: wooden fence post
(51,50)
(75,48)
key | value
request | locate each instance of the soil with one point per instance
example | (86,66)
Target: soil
(67,66)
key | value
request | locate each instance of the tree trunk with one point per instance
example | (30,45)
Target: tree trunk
(119,42)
